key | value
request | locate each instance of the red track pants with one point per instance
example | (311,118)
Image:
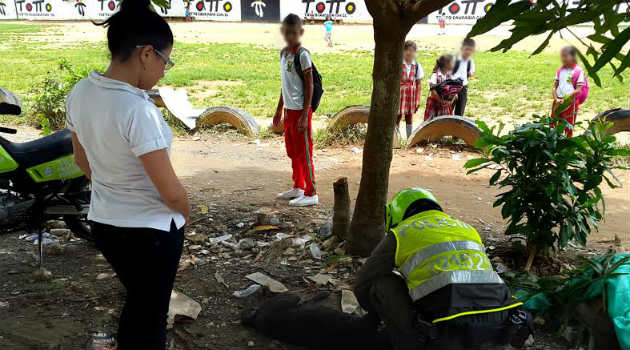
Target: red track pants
(300,150)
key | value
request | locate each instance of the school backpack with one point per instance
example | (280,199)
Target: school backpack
(318,89)
(576,75)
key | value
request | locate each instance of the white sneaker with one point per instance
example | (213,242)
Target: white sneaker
(304,201)
(290,194)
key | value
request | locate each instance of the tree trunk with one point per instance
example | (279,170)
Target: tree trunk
(368,222)
(532,250)
(341,209)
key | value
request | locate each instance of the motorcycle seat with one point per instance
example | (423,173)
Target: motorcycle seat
(45,149)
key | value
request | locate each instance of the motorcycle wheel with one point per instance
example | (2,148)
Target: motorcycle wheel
(80,227)
(79,224)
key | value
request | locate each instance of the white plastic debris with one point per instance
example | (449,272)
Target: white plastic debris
(181,305)
(355,150)
(104,275)
(456,156)
(322,279)
(280,236)
(247,291)
(301,241)
(215,240)
(268,282)
(349,303)
(315,251)
(240,225)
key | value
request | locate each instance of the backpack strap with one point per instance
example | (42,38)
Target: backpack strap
(297,64)
(576,76)
(456,68)
(469,65)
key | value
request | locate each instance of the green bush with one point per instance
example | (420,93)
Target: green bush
(351,135)
(552,181)
(48,101)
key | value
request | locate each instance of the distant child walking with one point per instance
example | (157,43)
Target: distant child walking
(442,24)
(410,86)
(464,69)
(570,88)
(328,36)
(436,104)
(295,100)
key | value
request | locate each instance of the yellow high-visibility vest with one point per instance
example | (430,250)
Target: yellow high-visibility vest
(434,250)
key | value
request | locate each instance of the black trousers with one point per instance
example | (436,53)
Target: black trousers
(460,104)
(390,300)
(146,261)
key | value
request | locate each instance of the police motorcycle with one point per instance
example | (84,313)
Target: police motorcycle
(40,181)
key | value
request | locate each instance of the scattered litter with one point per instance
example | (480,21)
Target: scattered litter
(428,157)
(47,238)
(355,150)
(101,340)
(215,240)
(42,274)
(301,241)
(322,279)
(268,282)
(325,230)
(181,305)
(220,279)
(251,343)
(196,138)
(266,216)
(104,275)
(240,225)
(289,251)
(230,245)
(266,227)
(280,236)
(500,268)
(4,304)
(349,303)
(197,237)
(203,209)
(194,247)
(456,156)
(315,251)
(419,150)
(60,232)
(246,244)
(247,291)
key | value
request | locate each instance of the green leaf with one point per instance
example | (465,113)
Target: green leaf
(475,162)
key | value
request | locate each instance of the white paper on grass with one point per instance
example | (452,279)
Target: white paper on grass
(176,101)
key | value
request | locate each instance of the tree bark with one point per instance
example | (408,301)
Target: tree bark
(341,209)
(392,20)
(368,222)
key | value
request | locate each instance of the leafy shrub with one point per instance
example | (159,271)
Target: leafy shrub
(48,101)
(353,134)
(552,181)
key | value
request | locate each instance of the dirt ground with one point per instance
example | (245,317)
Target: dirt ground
(229,178)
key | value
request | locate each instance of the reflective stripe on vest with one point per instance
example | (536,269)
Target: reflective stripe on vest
(458,276)
(436,249)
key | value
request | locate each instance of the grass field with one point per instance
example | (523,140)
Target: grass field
(509,86)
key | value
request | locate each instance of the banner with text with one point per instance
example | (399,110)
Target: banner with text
(260,10)
(344,10)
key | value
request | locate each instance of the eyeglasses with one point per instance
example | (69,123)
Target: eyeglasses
(168,63)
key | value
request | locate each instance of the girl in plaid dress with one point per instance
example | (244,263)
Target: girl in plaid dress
(410,84)
(436,105)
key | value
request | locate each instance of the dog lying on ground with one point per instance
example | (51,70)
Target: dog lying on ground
(284,317)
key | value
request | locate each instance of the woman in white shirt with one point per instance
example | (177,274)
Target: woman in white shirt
(122,143)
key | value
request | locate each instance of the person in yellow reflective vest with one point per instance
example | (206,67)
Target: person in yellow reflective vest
(431,283)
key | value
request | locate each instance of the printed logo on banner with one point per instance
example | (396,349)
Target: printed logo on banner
(35,8)
(80,5)
(336,8)
(2,10)
(466,10)
(107,7)
(212,8)
(260,10)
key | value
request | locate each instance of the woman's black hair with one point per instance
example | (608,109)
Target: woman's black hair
(292,20)
(441,62)
(133,25)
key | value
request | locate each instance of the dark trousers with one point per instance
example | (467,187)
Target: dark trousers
(460,104)
(390,300)
(146,261)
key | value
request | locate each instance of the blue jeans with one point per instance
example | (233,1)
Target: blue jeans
(146,262)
